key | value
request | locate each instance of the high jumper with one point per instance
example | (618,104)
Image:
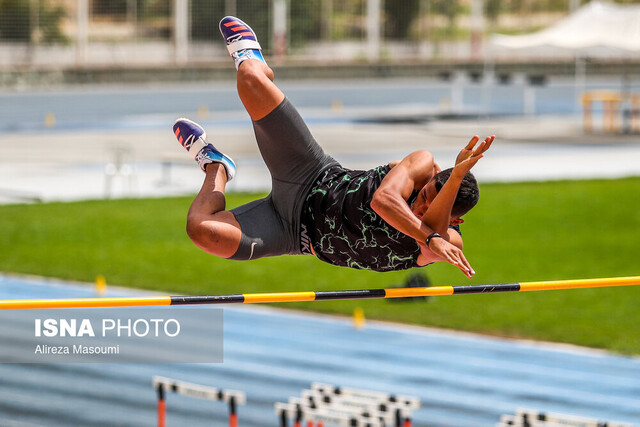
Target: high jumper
(397,216)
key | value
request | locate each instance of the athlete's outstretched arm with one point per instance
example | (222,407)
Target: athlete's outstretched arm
(390,202)
(390,199)
(438,216)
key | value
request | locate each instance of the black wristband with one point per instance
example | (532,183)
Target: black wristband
(431,236)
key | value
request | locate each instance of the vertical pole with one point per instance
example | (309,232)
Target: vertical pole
(181,31)
(587,123)
(132,13)
(487,84)
(233,416)
(580,79)
(230,7)
(34,21)
(283,418)
(477,27)
(635,113)
(373,29)
(279,29)
(573,5)
(162,409)
(457,92)
(529,99)
(82,36)
(34,28)
(298,420)
(327,20)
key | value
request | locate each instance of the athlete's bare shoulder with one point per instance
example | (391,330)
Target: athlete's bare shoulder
(421,157)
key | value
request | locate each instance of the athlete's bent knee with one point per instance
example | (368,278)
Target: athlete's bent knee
(202,233)
(252,76)
(210,236)
(195,229)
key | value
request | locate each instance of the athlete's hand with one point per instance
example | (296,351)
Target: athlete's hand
(468,151)
(468,157)
(449,253)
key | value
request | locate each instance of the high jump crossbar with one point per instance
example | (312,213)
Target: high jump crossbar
(316,295)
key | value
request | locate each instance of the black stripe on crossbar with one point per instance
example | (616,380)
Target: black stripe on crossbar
(208,299)
(483,289)
(355,294)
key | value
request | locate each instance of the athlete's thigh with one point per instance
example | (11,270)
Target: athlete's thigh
(287,146)
(263,231)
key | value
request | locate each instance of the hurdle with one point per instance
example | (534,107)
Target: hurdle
(299,412)
(389,414)
(231,397)
(402,406)
(341,406)
(534,418)
(317,295)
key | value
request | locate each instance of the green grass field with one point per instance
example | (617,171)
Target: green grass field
(519,232)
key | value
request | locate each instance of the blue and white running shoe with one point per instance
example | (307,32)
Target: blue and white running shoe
(241,40)
(194,139)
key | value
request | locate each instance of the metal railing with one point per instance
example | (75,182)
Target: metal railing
(84,33)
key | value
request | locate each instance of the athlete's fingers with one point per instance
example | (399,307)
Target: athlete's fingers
(478,151)
(448,256)
(466,264)
(488,141)
(461,265)
(466,272)
(472,143)
(463,268)
(456,257)
(455,261)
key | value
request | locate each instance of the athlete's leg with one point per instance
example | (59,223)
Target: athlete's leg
(256,89)
(293,157)
(255,79)
(209,225)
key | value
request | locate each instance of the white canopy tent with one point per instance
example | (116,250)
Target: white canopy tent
(595,25)
(597,29)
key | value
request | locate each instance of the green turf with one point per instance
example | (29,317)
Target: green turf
(518,232)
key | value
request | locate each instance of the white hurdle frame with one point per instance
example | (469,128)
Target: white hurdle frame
(383,411)
(406,404)
(198,391)
(299,412)
(535,418)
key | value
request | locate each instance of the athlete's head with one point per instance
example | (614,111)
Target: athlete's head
(467,198)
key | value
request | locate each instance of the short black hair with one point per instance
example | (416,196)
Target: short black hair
(468,194)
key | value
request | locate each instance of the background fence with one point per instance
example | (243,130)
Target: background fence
(54,33)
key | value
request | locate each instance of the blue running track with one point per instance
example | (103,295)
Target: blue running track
(461,379)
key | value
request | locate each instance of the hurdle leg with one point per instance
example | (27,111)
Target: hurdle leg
(298,421)
(233,416)
(283,419)
(162,408)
